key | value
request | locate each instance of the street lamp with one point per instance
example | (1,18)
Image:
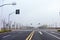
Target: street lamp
(13,4)
(7,4)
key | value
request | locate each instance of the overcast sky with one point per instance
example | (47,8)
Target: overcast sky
(32,11)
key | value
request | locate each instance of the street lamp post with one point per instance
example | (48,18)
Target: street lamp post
(5,5)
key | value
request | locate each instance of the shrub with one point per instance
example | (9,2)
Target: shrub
(2,31)
(58,30)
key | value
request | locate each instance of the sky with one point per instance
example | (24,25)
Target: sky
(31,11)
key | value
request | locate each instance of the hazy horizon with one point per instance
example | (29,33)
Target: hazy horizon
(32,11)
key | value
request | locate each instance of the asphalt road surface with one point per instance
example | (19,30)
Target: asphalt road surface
(30,35)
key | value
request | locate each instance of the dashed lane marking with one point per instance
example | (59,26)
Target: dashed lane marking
(6,36)
(40,32)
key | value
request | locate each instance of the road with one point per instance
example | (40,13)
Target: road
(30,35)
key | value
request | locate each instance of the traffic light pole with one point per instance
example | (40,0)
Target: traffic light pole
(17,12)
(9,20)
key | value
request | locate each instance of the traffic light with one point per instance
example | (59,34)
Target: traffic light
(17,11)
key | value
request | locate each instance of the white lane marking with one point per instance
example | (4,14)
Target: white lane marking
(53,35)
(6,36)
(40,32)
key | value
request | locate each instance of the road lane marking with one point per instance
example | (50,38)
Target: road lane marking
(40,32)
(30,36)
(53,35)
(6,36)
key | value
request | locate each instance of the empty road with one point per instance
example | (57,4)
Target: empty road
(30,35)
